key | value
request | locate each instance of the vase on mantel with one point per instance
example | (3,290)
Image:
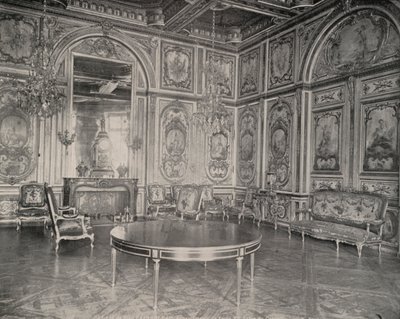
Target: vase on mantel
(122,170)
(82,169)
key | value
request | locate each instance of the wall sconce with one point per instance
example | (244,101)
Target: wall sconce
(270,179)
(66,138)
(136,143)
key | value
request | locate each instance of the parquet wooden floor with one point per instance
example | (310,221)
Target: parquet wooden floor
(291,281)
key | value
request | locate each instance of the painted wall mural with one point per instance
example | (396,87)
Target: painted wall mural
(225,73)
(381,151)
(174,141)
(218,156)
(247,144)
(281,53)
(381,85)
(327,137)
(249,72)
(280,119)
(16,140)
(176,67)
(359,41)
(18,37)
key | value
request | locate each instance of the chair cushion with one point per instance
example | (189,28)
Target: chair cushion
(333,231)
(32,212)
(69,227)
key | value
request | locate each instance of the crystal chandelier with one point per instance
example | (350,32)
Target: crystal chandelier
(212,114)
(40,95)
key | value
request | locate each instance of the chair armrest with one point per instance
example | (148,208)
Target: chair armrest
(71,217)
(375,222)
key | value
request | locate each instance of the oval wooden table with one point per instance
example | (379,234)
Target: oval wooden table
(184,240)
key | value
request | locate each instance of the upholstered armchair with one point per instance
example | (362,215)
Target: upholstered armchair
(32,205)
(189,201)
(67,224)
(158,201)
(249,206)
(211,205)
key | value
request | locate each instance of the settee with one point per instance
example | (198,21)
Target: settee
(353,218)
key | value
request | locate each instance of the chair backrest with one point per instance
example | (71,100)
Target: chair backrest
(207,193)
(156,194)
(175,189)
(189,199)
(52,203)
(249,196)
(32,195)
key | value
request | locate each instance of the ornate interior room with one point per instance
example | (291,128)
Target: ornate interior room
(199,159)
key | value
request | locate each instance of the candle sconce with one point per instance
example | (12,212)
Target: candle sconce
(66,138)
(136,143)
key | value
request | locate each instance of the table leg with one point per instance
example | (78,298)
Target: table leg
(252,267)
(156,277)
(146,263)
(113,264)
(239,278)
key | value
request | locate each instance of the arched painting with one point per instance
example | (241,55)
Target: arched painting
(219,146)
(13,131)
(279,142)
(176,141)
(247,144)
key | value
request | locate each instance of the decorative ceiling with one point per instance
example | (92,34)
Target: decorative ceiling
(236,20)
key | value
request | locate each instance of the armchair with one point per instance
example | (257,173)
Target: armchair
(66,223)
(32,204)
(247,207)
(210,204)
(158,203)
(189,201)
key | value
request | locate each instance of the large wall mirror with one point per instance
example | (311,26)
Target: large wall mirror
(102,99)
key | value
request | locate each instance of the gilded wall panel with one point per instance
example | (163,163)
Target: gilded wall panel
(18,38)
(176,67)
(249,72)
(360,41)
(224,67)
(327,140)
(328,97)
(389,189)
(17,143)
(380,136)
(318,184)
(381,85)
(174,141)
(280,140)
(281,61)
(247,144)
(218,156)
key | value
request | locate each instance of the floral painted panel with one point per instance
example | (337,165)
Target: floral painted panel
(224,67)
(381,151)
(388,189)
(176,67)
(326,97)
(174,141)
(249,72)
(327,137)
(381,85)
(281,53)
(247,145)
(280,119)
(218,156)
(16,140)
(359,41)
(318,184)
(18,37)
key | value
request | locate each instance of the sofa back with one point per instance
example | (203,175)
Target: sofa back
(348,208)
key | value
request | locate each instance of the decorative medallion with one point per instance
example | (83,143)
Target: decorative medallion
(218,156)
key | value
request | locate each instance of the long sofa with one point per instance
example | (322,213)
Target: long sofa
(354,218)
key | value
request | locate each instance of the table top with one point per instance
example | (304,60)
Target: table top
(162,237)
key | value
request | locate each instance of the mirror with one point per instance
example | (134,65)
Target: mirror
(102,94)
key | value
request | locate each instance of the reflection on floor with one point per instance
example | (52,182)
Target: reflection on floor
(290,281)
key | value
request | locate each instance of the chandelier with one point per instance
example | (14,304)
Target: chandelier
(40,95)
(212,114)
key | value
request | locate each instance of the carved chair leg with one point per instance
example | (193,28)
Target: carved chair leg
(289,232)
(57,246)
(19,225)
(302,236)
(359,249)
(92,240)
(337,246)
(380,249)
